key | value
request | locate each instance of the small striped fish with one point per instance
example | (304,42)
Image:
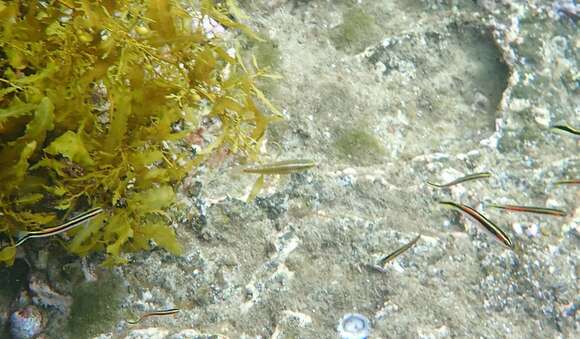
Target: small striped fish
(486,223)
(568,182)
(281,167)
(170,311)
(67,226)
(567,128)
(382,264)
(531,209)
(474,176)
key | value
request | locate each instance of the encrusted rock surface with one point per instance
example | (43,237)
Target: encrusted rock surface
(433,90)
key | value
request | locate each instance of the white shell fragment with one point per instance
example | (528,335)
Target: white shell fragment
(354,326)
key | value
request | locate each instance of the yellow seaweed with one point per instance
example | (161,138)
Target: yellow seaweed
(71,146)
(90,103)
(7,255)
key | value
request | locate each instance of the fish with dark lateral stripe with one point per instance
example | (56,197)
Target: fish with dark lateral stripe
(281,167)
(488,225)
(567,128)
(382,263)
(568,182)
(531,209)
(67,226)
(470,177)
(170,311)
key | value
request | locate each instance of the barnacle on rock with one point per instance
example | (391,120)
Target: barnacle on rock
(95,101)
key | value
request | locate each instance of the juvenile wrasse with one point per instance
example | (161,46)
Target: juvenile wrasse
(486,223)
(462,179)
(567,128)
(568,182)
(382,264)
(281,167)
(531,209)
(67,226)
(170,311)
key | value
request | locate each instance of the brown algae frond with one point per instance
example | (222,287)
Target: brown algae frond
(96,102)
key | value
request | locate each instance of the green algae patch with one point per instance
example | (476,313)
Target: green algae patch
(357,30)
(111,104)
(96,307)
(268,54)
(358,147)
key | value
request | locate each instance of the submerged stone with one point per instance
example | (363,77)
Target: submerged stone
(26,323)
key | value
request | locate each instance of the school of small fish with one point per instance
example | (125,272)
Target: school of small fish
(487,224)
(293,166)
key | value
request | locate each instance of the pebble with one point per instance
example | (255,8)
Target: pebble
(26,323)
(354,326)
